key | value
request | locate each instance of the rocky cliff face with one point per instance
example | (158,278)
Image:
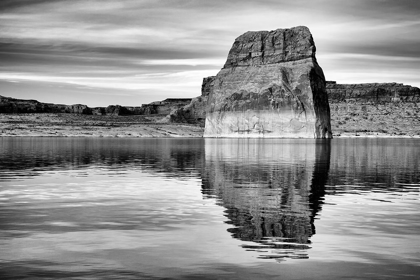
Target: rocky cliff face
(375,108)
(270,86)
(372,92)
(14,106)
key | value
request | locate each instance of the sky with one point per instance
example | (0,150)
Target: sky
(133,52)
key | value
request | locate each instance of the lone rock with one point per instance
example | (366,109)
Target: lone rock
(270,86)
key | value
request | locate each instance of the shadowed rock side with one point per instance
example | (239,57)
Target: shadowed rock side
(374,109)
(270,86)
(272,191)
(195,112)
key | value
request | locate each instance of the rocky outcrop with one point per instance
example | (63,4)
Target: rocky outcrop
(98,111)
(14,106)
(116,110)
(164,107)
(78,109)
(149,109)
(270,86)
(374,109)
(207,86)
(195,112)
(372,92)
(11,105)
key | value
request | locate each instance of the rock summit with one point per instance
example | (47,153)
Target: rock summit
(270,86)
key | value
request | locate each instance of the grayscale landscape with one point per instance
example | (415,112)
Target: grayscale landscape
(209,140)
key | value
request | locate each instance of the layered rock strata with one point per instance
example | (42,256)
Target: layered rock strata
(14,106)
(374,109)
(270,86)
(372,92)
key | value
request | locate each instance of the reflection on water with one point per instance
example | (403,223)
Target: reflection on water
(209,208)
(272,191)
(375,164)
(28,157)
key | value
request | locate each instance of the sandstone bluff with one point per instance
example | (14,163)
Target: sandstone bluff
(374,109)
(15,106)
(270,86)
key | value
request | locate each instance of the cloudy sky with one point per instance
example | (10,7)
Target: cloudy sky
(130,52)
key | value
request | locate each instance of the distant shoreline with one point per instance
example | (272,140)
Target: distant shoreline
(193,135)
(77,125)
(74,125)
(373,135)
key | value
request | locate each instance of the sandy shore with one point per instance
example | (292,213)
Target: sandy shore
(73,125)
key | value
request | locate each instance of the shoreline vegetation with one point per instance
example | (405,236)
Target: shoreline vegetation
(137,126)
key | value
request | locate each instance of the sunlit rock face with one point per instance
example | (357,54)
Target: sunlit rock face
(270,86)
(374,108)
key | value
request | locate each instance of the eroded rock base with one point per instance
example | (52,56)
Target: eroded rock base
(265,124)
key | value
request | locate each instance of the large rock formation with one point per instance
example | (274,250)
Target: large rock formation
(270,86)
(374,109)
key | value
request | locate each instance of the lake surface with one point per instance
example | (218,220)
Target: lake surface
(209,208)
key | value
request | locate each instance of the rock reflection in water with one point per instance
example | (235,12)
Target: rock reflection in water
(271,189)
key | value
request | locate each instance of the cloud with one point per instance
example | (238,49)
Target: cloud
(363,68)
(104,44)
(126,82)
(7,5)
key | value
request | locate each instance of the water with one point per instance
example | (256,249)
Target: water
(209,208)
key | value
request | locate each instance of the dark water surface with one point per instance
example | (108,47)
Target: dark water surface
(209,208)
